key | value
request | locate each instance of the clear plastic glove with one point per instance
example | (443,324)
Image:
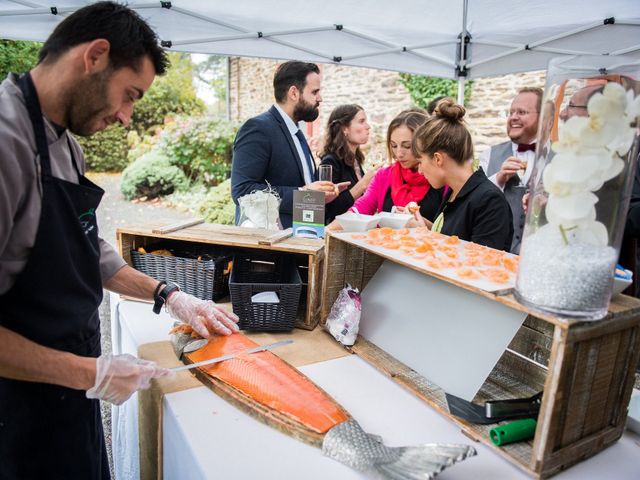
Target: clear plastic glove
(119,376)
(203,315)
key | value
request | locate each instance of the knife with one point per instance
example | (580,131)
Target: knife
(260,348)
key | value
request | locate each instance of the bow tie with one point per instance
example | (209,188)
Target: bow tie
(525,147)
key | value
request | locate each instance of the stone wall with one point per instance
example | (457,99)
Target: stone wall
(381,95)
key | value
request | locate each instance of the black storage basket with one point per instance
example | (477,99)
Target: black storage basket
(207,278)
(255,273)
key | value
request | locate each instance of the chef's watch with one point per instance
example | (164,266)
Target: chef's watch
(162,292)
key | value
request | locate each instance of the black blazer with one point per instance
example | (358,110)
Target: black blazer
(263,151)
(340,172)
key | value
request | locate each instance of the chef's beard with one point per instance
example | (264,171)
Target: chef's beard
(305,112)
(88,105)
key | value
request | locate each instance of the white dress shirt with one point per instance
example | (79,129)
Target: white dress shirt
(527,156)
(293,128)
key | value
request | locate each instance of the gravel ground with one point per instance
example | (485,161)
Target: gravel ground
(115,212)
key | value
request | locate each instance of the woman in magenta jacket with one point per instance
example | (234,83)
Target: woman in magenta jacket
(401,183)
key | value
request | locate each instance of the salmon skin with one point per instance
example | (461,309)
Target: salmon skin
(272,391)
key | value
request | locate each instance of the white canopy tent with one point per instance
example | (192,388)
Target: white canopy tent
(457,39)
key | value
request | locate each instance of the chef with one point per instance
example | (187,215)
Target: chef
(53,264)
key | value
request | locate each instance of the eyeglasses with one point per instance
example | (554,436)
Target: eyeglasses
(518,112)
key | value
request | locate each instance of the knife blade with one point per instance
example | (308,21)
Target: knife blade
(260,348)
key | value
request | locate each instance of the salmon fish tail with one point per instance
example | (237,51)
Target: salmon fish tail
(349,444)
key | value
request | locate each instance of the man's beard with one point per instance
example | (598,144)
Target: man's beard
(305,112)
(87,103)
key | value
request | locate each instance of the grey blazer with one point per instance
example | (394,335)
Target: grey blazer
(513,192)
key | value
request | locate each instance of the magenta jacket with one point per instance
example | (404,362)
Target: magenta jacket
(372,200)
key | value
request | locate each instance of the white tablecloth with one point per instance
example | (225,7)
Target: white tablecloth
(206,438)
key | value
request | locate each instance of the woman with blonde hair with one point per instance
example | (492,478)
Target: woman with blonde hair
(401,184)
(474,208)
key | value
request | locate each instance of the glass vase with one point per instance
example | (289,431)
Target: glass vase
(579,189)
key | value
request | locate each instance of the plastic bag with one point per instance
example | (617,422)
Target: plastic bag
(344,318)
(260,209)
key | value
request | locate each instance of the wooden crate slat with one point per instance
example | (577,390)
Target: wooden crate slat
(581,450)
(579,391)
(603,378)
(532,344)
(549,417)
(512,377)
(631,356)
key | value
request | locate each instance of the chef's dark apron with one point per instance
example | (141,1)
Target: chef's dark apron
(48,431)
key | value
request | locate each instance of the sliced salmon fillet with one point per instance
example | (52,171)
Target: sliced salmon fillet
(270,381)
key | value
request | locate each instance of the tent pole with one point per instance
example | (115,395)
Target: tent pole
(461,91)
(461,70)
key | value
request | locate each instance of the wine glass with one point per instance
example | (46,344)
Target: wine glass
(522,170)
(325,173)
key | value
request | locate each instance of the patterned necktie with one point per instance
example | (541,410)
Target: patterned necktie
(307,153)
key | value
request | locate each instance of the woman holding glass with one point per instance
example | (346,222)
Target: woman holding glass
(401,185)
(347,129)
(474,208)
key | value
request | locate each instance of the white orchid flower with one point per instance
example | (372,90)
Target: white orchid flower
(572,209)
(589,152)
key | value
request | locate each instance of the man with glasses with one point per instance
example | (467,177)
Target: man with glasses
(577,106)
(509,164)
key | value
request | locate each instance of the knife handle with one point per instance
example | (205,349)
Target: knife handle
(514,407)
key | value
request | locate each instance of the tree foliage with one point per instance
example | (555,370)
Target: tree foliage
(171,94)
(424,89)
(17,56)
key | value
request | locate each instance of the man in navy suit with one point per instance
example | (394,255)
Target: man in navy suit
(271,148)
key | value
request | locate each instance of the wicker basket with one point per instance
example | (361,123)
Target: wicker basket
(259,273)
(205,276)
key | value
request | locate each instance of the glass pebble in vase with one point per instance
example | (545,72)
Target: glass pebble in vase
(587,154)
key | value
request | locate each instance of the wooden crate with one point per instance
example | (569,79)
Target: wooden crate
(308,253)
(586,369)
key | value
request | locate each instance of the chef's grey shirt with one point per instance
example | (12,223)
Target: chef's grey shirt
(21,187)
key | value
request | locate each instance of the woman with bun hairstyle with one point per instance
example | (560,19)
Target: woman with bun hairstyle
(474,208)
(401,184)
(347,129)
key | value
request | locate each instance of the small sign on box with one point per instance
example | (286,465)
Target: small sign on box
(308,214)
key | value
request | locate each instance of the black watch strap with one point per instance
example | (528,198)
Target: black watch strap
(162,293)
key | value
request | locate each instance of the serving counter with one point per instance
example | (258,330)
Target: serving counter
(206,438)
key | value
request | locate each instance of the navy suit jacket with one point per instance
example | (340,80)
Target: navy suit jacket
(263,151)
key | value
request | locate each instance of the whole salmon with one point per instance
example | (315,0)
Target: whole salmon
(274,392)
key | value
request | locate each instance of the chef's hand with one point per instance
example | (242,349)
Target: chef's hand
(119,376)
(203,315)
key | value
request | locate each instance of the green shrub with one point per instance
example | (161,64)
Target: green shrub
(424,89)
(150,176)
(106,151)
(201,147)
(218,206)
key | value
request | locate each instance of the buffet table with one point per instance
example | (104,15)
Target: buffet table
(205,437)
